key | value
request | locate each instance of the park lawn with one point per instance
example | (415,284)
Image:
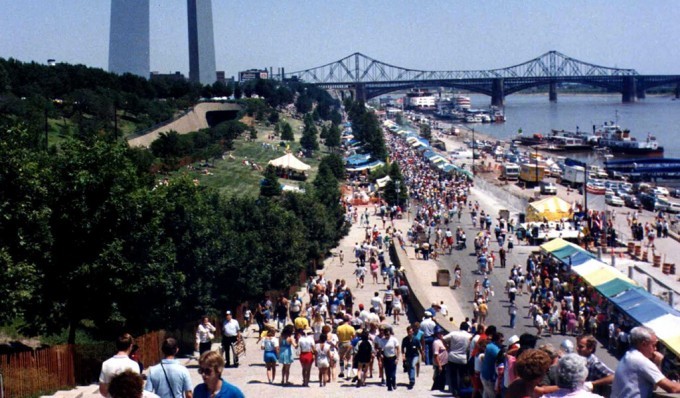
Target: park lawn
(231,177)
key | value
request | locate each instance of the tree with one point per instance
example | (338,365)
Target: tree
(287,132)
(270,185)
(399,119)
(333,137)
(425,131)
(309,133)
(336,165)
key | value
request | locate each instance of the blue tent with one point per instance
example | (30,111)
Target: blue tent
(642,306)
(358,159)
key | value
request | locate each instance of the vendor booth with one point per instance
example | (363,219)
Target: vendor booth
(288,166)
(550,209)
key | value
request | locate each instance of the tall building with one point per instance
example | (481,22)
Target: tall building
(129,37)
(201,42)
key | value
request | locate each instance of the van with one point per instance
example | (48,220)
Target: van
(510,172)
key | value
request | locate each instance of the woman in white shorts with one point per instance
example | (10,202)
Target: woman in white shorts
(397,306)
(322,353)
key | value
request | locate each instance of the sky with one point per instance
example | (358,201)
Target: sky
(416,34)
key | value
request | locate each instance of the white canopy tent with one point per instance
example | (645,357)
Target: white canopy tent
(288,161)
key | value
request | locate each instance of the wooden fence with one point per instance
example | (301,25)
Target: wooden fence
(46,370)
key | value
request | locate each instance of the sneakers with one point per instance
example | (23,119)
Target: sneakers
(341,375)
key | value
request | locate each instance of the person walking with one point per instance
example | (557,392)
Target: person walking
(231,331)
(440,356)
(118,363)
(169,379)
(210,367)
(512,311)
(270,345)
(306,344)
(427,326)
(346,333)
(204,335)
(363,356)
(391,355)
(322,352)
(412,351)
(286,346)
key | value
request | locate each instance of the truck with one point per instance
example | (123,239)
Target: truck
(531,173)
(509,172)
(573,176)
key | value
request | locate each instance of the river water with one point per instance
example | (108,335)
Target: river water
(659,115)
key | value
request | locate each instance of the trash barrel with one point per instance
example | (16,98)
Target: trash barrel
(443,277)
(522,218)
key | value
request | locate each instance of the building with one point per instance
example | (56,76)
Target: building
(177,76)
(129,37)
(420,99)
(252,74)
(201,42)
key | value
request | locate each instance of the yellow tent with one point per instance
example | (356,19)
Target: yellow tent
(551,209)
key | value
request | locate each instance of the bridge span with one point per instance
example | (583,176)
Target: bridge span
(364,78)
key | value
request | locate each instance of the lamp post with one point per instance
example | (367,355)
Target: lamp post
(473,151)
(536,161)
(397,189)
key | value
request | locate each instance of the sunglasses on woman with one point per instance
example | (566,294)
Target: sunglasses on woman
(205,371)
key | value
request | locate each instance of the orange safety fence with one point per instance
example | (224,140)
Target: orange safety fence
(46,370)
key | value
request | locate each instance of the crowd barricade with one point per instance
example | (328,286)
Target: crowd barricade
(46,370)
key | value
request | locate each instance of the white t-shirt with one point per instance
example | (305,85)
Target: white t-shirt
(306,343)
(478,363)
(375,303)
(635,376)
(391,347)
(115,365)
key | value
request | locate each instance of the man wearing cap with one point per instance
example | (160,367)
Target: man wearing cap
(458,342)
(231,331)
(427,327)
(441,358)
(345,334)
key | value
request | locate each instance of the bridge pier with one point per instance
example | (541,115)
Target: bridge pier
(497,92)
(552,91)
(629,89)
(360,92)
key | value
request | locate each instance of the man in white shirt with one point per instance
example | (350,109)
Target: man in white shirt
(427,325)
(117,363)
(638,372)
(231,331)
(376,303)
(458,343)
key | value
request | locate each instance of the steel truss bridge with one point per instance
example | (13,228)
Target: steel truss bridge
(364,78)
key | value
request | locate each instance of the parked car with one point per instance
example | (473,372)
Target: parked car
(675,193)
(632,201)
(548,188)
(661,191)
(648,201)
(613,200)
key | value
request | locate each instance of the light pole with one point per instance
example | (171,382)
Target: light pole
(473,151)
(397,189)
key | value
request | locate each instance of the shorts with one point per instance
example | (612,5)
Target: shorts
(306,358)
(270,356)
(322,363)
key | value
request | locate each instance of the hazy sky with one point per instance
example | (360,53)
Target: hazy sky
(428,34)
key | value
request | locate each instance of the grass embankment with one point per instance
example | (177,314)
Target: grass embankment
(232,177)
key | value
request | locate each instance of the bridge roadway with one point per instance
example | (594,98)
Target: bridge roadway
(366,78)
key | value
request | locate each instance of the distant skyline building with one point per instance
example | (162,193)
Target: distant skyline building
(129,37)
(202,67)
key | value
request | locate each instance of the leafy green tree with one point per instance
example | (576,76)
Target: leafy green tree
(309,134)
(333,137)
(336,165)
(399,119)
(287,132)
(270,185)
(425,131)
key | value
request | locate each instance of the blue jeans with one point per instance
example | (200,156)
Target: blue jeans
(390,367)
(428,349)
(411,363)
(512,320)
(456,373)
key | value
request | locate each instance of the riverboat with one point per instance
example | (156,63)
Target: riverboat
(620,141)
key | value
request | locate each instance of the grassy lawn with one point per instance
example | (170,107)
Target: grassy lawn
(232,177)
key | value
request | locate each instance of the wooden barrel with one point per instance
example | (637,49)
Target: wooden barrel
(657,261)
(644,256)
(631,248)
(667,268)
(638,250)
